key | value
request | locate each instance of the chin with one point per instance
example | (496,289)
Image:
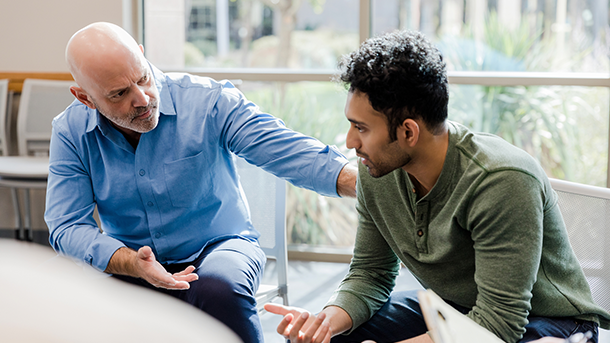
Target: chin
(150,124)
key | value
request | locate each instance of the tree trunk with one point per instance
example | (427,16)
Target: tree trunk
(288,12)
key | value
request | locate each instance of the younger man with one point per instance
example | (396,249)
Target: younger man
(473,218)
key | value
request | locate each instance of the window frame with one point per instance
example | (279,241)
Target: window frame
(455,77)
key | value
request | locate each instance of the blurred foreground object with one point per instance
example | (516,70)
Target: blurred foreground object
(47,299)
(447,325)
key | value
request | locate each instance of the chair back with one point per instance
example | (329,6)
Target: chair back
(266,195)
(586,213)
(41,101)
(3,117)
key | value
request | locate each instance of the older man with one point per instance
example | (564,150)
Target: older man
(154,152)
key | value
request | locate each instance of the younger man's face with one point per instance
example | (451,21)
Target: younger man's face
(369,135)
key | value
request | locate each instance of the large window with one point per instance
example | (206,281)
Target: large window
(534,72)
(506,35)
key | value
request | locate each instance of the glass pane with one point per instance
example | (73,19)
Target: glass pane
(564,128)
(506,35)
(315,109)
(310,34)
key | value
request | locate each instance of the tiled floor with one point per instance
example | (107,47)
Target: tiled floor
(312,283)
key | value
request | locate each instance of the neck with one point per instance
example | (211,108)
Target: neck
(131,136)
(428,160)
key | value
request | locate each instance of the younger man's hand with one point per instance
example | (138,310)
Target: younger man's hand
(300,326)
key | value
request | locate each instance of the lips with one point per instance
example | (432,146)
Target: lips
(363,160)
(144,115)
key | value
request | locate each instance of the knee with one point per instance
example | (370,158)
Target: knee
(213,291)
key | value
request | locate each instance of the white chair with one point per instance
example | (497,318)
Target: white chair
(586,213)
(266,196)
(41,101)
(4,110)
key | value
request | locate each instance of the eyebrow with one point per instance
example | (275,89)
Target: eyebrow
(355,122)
(116,91)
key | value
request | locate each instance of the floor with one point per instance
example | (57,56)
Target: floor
(312,283)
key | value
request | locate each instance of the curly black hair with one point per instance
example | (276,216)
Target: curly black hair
(404,76)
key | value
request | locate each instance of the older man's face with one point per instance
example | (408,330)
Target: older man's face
(126,94)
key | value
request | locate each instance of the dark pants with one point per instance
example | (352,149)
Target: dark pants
(229,275)
(401,318)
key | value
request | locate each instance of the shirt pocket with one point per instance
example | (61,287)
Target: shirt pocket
(187,180)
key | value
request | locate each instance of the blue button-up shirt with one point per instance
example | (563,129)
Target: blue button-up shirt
(179,189)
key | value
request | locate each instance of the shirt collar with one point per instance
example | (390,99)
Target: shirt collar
(166,104)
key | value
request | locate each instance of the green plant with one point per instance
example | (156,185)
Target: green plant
(554,124)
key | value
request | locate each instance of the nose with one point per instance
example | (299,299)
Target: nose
(141,98)
(352,141)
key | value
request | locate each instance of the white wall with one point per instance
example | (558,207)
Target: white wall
(33,36)
(34,33)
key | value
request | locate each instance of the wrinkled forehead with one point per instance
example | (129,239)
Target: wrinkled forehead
(114,69)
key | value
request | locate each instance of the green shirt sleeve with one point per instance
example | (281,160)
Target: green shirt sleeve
(372,272)
(505,219)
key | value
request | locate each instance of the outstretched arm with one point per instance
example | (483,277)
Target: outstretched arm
(142,264)
(346,182)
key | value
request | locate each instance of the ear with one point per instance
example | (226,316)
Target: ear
(82,96)
(408,133)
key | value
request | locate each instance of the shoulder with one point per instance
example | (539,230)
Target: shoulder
(195,83)
(76,119)
(489,165)
(187,81)
(194,88)
(492,153)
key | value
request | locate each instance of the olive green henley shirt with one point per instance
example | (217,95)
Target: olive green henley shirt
(488,236)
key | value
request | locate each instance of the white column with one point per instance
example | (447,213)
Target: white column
(475,16)
(451,17)
(560,26)
(509,13)
(222,27)
(164,33)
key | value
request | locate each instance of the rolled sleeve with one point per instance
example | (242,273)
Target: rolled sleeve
(327,167)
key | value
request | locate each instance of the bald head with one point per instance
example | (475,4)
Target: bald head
(114,77)
(98,50)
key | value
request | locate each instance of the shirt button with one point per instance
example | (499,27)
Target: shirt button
(420,233)
(142,172)
(413,190)
(157,235)
(150,203)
